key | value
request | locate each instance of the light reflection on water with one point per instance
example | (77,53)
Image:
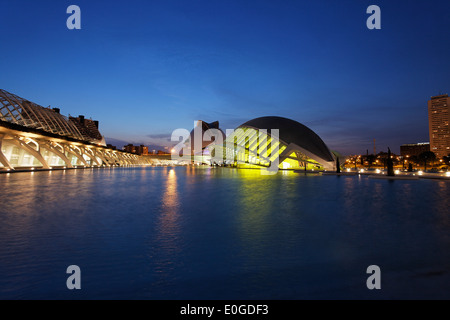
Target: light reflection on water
(203,233)
(168,227)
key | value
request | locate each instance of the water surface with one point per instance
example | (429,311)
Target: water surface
(202,233)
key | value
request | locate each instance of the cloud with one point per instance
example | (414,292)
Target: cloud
(153,141)
(116,142)
(163,140)
(160,136)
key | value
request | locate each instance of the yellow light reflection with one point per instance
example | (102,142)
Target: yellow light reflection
(168,228)
(256,208)
(168,221)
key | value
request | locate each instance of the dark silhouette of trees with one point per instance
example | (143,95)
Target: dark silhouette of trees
(414,159)
(371,159)
(390,164)
(410,167)
(446,159)
(427,156)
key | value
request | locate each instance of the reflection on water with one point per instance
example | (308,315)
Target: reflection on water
(168,228)
(170,205)
(218,233)
(255,206)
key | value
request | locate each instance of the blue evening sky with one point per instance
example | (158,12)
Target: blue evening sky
(144,68)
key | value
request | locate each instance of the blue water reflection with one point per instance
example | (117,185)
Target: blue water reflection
(219,233)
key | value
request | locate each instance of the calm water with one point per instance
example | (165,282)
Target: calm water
(181,233)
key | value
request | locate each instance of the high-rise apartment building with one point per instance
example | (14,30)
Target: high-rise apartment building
(439,118)
(139,150)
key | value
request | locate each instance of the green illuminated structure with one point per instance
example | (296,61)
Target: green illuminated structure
(269,141)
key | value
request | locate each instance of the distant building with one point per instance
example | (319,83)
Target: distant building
(87,127)
(139,150)
(439,118)
(414,149)
(294,146)
(129,148)
(207,132)
(110,146)
(142,150)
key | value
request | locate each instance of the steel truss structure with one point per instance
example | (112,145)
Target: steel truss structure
(252,145)
(17,110)
(35,137)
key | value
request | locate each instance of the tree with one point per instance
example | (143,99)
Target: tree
(371,159)
(446,159)
(427,156)
(390,164)
(410,167)
(414,159)
(338,165)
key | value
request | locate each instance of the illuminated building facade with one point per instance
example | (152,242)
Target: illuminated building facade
(439,119)
(207,133)
(200,142)
(32,136)
(139,150)
(265,141)
(414,149)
